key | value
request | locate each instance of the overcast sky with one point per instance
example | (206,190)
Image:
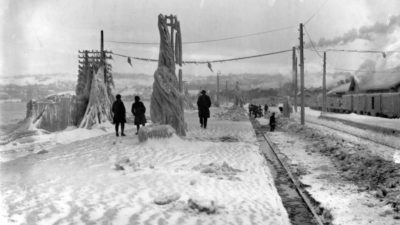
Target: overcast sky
(44,36)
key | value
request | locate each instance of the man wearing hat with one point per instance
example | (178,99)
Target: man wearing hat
(203,105)
(118,110)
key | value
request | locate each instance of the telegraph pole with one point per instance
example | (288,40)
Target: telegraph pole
(324,85)
(294,61)
(302,74)
(102,56)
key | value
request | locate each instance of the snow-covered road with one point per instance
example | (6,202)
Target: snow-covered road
(76,183)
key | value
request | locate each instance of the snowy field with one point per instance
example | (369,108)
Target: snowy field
(77,183)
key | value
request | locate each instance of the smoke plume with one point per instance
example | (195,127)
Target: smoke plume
(364,32)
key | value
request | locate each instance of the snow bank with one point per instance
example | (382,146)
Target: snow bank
(37,140)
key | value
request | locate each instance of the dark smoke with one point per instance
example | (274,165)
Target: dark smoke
(364,32)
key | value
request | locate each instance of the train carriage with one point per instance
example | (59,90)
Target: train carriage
(373,104)
(391,105)
(359,103)
(347,103)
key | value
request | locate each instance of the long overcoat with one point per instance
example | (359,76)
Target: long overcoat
(203,105)
(139,110)
(118,110)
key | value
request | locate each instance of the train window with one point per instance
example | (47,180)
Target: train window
(373,102)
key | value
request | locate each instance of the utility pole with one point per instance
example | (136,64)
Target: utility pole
(102,56)
(324,85)
(176,44)
(294,61)
(302,74)
(219,72)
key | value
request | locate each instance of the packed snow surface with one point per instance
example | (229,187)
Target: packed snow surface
(200,179)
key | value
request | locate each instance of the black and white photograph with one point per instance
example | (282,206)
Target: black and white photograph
(200,112)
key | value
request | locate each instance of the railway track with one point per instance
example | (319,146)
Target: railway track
(300,207)
(354,134)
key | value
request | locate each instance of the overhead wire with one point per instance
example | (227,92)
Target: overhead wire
(206,61)
(210,40)
(315,13)
(312,42)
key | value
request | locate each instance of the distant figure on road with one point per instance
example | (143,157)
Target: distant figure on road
(118,110)
(203,105)
(265,109)
(272,122)
(139,110)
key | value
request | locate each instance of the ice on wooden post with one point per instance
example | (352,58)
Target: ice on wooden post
(166,106)
(98,109)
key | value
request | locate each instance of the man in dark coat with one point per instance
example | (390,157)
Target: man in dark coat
(265,109)
(272,122)
(203,105)
(118,110)
(139,110)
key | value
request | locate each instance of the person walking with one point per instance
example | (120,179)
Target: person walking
(272,122)
(139,110)
(203,105)
(118,110)
(265,109)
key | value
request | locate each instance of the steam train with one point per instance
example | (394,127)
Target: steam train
(372,104)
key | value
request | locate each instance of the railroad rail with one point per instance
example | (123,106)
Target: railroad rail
(353,134)
(296,183)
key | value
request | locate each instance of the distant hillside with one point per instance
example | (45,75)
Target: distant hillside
(246,81)
(37,86)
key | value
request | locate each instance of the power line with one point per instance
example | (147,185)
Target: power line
(392,70)
(238,58)
(208,61)
(137,58)
(316,12)
(207,41)
(312,43)
(241,36)
(356,51)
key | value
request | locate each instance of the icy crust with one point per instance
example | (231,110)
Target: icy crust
(34,140)
(355,185)
(79,184)
(54,113)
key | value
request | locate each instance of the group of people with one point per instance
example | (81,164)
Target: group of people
(138,110)
(257,111)
(119,114)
